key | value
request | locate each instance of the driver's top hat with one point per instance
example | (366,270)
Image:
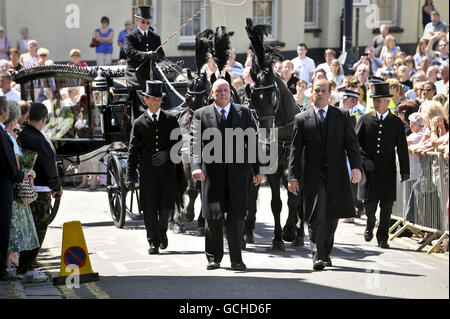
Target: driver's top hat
(381,90)
(144,12)
(154,89)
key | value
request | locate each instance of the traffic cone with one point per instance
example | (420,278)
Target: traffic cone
(74,256)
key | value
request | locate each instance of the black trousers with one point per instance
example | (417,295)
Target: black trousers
(41,213)
(385,217)
(250,220)
(5,224)
(321,227)
(234,227)
(156,224)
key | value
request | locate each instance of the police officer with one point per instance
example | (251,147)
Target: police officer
(150,147)
(380,133)
(140,46)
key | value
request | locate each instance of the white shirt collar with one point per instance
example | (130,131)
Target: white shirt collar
(142,31)
(3,126)
(316,109)
(151,114)
(384,115)
(226,108)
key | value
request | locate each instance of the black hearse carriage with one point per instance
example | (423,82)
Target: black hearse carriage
(92,109)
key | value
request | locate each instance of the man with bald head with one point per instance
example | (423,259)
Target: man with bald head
(325,136)
(224,179)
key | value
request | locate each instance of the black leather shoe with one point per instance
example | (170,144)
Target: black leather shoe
(383,244)
(153,250)
(212,265)
(368,235)
(327,262)
(164,242)
(318,265)
(238,266)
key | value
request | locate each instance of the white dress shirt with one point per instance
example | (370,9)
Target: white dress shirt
(384,114)
(226,108)
(316,109)
(151,114)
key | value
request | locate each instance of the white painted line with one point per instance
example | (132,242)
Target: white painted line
(384,263)
(418,263)
(257,236)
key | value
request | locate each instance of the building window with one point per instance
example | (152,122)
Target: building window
(197,25)
(388,10)
(151,3)
(265,12)
(311,14)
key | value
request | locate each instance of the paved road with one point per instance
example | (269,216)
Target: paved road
(120,256)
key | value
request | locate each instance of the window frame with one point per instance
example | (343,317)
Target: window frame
(191,38)
(315,23)
(274,34)
(395,21)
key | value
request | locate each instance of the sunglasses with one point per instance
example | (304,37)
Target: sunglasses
(43,55)
(148,22)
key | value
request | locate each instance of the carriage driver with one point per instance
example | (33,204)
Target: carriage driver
(140,46)
(150,147)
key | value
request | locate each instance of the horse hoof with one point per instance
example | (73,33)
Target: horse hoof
(288,234)
(299,241)
(278,245)
(200,232)
(249,238)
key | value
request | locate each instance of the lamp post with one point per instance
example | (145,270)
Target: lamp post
(100,93)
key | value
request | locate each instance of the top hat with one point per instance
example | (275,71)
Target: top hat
(144,12)
(381,90)
(154,89)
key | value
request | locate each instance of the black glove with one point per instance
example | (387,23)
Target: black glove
(369,166)
(151,55)
(405,177)
(160,158)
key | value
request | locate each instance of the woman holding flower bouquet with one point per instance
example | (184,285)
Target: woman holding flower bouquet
(23,234)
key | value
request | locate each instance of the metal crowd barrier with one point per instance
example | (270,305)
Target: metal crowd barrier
(421,205)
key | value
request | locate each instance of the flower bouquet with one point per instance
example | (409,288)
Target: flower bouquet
(26,193)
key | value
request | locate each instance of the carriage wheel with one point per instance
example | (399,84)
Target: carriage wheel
(116,188)
(54,209)
(132,207)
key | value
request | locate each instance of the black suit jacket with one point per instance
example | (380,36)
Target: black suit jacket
(147,139)
(9,172)
(45,167)
(135,47)
(381,184)
(341,143)
(234,174)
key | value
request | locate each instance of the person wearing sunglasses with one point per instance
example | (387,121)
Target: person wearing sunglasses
(43,55)
(140,49)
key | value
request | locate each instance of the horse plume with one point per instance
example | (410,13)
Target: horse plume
(204,42)
(256,35)
(222,46)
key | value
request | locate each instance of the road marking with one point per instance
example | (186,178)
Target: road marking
(103,254)
(97,291)
(69,293)
(418,263)
(257,236)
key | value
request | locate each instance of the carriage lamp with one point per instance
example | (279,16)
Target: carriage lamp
(100,93)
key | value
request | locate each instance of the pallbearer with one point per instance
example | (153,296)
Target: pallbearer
(150,147)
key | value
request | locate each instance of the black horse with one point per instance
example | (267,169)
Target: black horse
(275,108)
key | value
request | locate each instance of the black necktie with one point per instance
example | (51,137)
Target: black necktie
(322,117)
(155,118)
(223,115)
(381,117)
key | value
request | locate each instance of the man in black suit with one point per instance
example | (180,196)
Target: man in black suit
(224,178)
(140,46)
(9,175)
(150,147)
(47,184)
(380,133)
(325,135)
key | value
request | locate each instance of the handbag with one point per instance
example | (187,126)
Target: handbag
(26,193)
(94,42)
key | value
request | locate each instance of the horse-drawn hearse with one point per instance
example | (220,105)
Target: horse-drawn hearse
(91,111)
